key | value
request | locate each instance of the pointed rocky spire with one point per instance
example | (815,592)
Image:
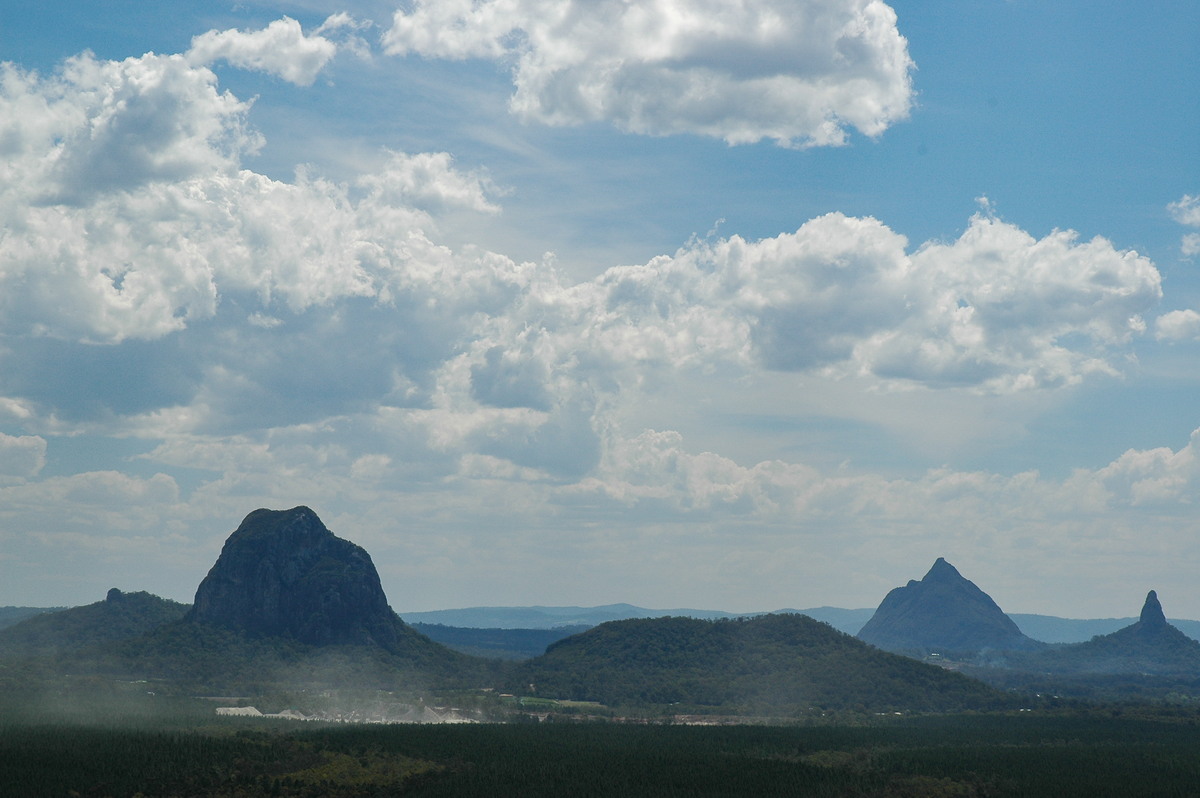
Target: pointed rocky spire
(943,612)
(942,571)
(1152,611)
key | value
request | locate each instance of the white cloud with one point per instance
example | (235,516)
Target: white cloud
(1155,476)
(1186,211)
(97,501)
(128,214)
(280,49)
(429,180)
(797,73)
(995,311)
(313,342)
(103,126)
(1178,325)
(21,456)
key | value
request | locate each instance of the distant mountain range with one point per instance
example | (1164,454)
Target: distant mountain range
(290,605)
(1046,628)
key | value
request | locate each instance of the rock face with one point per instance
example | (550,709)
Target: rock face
(942,613)
(1152,616)
(283,574)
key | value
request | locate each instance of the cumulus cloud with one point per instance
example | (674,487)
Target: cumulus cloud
(1186,211)
(250,304)
(129,215)
(1154,476)
(103,126)
(280,49)
(1178,325)
(995,311)
(800,74)
(429,180)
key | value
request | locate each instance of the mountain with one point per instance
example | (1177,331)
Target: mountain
(1052,629)
(286,603)
(943,612)
(1151,646)
(14,615)
(511,644)
(848,621)
(282,573)
(540,617)
(121,616)
(769,664)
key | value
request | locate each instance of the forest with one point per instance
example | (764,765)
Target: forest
(178,748)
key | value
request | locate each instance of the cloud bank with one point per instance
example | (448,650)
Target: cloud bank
(269,342)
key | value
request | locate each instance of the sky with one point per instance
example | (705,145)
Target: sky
(681,303)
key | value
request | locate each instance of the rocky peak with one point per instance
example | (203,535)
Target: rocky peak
(942,571)
(943,612)
(1152,612)
(282,573)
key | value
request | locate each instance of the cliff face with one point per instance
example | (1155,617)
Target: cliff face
(282,573)
(942,612)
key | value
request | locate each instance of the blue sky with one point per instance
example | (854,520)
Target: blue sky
(675,303)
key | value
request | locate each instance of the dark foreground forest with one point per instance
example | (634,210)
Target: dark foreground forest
(181,749)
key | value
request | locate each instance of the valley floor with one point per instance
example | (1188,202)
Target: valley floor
(1123,751)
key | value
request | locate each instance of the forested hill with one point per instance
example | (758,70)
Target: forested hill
(771,664)
(120,616)
(14,615)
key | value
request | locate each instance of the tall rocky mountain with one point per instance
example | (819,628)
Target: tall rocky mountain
(282,573)
(943,612)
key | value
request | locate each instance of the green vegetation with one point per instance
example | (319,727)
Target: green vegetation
(12,615)
(1019,754)
(210,658)
(768,665)
(121,616)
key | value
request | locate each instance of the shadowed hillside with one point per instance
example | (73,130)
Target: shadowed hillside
(768,664)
